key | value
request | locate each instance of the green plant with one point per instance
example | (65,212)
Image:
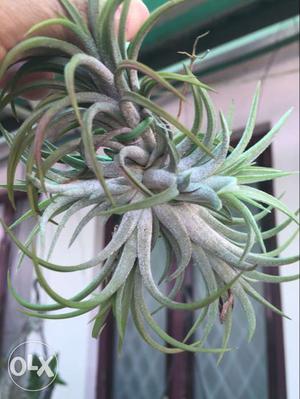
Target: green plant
(165,181)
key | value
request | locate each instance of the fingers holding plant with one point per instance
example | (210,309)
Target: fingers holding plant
(14,27)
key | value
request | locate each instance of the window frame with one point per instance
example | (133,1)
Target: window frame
(276,371)
(179,367)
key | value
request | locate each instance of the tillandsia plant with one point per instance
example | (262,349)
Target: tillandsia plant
(100,142)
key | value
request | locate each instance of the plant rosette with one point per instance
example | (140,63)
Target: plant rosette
(100,140)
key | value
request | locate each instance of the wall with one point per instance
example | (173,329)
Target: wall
(72,338)
(278,72)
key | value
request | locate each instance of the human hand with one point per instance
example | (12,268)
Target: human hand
(18,16)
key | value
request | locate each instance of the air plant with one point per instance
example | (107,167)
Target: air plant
(100,142)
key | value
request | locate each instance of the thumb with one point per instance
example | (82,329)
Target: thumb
(138,14)
(14,26)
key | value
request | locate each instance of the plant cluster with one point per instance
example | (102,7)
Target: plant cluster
(100,142)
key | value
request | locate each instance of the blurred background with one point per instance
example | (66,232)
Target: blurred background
(248,41)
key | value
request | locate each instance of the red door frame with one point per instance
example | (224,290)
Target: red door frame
(5,250)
